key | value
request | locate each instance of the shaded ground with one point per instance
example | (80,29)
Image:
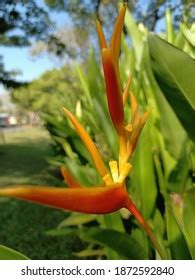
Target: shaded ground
(23,159)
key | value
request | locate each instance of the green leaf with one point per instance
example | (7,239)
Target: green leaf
(140,236)
(113,221)
(189,33)
(189,220)
(165,119)
(143,177)
(91,253)
(169,26)
(10,254)
(77,219)
(136,36)
(126,246)
(174,70)
(84,84)
(179,178)
(177,244)
(106,127)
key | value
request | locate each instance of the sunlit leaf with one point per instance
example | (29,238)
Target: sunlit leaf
(136,36)
(77,219)
(10,254)
(174,70)
(189,221)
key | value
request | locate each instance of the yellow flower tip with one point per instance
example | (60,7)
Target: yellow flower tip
(126,168)
(114,169)
(107,179)
(66,110)
(101,37)
(68,113)
(129,128)
(69,179)
(134,104)
(145,117)
(126,90)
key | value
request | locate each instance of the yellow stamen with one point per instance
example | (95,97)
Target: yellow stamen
(122,147)
(107,179)
(114,169)
(98,161)
(125,171)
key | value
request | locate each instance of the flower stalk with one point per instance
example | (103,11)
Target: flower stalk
(142,222)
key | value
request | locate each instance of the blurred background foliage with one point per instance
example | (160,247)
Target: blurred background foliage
(162,180)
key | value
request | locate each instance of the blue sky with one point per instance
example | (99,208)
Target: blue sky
(21,60)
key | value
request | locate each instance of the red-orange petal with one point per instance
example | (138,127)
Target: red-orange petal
(115,41)
(114,97)
(69,179)
(101,37)
(96,200)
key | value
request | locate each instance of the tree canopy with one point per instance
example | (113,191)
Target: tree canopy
(49,92)
(20,23)
(23,23)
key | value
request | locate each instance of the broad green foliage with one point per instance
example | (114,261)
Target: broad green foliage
(174,70)
(125,246)
(49,92)
(122,243)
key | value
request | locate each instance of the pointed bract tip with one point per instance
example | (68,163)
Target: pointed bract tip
(101,37)
(126,90)
(69,179)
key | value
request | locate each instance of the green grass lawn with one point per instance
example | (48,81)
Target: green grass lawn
(23,160)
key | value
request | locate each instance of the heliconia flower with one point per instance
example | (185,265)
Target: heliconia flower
(117,98)
(112,195)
